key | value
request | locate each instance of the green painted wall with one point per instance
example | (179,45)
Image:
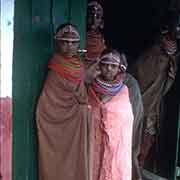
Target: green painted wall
(35,22)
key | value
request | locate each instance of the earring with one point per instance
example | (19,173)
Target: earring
(102,25)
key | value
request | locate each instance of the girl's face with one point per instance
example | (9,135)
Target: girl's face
(109,71)
(68,48)
(95,17)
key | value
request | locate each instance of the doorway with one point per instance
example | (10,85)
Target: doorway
(131,27)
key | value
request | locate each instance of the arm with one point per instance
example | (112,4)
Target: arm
(91,72)
(171,74)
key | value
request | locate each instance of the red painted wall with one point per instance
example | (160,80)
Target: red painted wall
(5,138)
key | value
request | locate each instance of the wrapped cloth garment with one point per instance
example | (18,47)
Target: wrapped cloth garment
(95,45)
(155,71)
(137,107)
(62,122)
(111,137)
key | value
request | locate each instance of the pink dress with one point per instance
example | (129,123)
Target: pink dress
(111,137)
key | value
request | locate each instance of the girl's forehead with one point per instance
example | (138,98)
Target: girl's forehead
(68,33)
(109,63)
(69,41)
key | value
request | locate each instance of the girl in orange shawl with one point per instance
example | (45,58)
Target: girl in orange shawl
(112,121)
(62,113)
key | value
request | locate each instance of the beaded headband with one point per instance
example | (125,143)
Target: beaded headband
(111,58)
(62,34)
(96,6)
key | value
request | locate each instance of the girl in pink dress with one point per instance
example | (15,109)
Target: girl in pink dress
(112,121)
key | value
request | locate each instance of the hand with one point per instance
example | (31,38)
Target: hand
(93,71)
(148,142)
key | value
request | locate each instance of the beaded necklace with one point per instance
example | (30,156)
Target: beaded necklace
(69,68)
(107,88)
(169,46)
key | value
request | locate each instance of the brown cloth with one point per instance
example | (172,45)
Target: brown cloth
(137,107)
(62,121)
(95,45)
(155,72)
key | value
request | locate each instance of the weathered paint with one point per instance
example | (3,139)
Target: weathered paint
(5,137)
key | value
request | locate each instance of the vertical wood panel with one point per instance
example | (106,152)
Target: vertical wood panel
(78,17)
(32,47)
(20,85)
(60,12)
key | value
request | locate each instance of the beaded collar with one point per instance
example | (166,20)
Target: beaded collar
(107,88)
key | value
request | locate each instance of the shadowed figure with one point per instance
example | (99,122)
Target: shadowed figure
(155,71)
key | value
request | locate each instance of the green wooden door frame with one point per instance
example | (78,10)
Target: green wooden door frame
(34,25)
(30,57)
(176,163)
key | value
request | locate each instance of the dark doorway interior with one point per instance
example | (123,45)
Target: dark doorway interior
(131,26)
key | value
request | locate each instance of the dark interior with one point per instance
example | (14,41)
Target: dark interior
(131,26)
